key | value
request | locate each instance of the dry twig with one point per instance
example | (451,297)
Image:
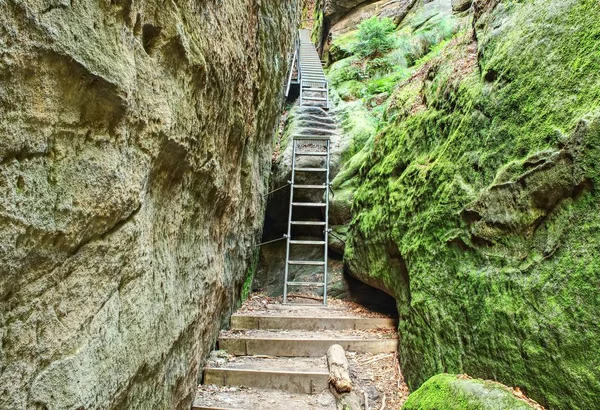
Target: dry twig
(382,402)
(376,359)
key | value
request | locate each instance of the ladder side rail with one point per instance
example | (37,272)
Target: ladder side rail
(300,65)
(289,83)
(326,246)
(289,231)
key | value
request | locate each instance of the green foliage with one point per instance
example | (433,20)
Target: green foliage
(414,43)
(348,69)
(379,66)
(386,84)
(374,37)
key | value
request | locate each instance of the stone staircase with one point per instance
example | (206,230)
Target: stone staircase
(276,359)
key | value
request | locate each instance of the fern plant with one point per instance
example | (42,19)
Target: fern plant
(374,37)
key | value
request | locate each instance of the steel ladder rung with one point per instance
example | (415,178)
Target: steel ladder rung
(311,137)
(318,284)
(309,263)
(308,223)
(308,98)
(312,154)
(310,204)
(310,186)
(302,242)
(310,169)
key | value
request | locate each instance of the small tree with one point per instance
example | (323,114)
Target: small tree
(374,37)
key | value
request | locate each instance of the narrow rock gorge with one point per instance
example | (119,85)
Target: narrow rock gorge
(135,150)
(139,141)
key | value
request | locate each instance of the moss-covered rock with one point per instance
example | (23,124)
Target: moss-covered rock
(453,392)
(477,203)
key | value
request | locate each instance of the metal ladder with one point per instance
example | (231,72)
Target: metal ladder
(299,142)
(310,73)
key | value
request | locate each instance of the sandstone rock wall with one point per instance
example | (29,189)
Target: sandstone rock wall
(135,144)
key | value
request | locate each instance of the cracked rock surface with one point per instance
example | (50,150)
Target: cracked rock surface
(135,139)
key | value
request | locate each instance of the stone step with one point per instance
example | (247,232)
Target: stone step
(210,398)
(310,123)
(313,118)
(316,131)
(293,375)
(309,98)
(315,111)
(277,322)
(303,343)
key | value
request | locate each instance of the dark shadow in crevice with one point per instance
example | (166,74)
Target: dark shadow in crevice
(370,297)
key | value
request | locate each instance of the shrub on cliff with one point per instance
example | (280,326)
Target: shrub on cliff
(374,37)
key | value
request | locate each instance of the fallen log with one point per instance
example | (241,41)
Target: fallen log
(339,375)
(339,380)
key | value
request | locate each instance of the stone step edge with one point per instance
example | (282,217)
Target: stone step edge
(272,322)
(290,381)
(264,371)
(297,347)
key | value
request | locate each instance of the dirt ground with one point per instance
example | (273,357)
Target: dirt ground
(260,304)
(380,377)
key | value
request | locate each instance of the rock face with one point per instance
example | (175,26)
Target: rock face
(476,204)
(461,5)
(342,17)
(452,392)
(395,10)
(335,9)
(135,143)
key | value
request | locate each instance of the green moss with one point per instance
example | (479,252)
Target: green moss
(318,16)
(342,45)
(347,69)
(484,287)
(358,125)
(247,286)
(350,90)
(451,392)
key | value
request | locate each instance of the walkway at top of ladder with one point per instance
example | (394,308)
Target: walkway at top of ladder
(314,89)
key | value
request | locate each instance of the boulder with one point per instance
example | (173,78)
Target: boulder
(458,392)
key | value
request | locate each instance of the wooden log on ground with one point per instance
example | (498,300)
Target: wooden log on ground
(339,379)
(339,375)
